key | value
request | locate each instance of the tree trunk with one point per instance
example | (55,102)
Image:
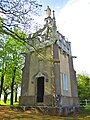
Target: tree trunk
(1,87)
(12,85)
(16,94)
(5,97)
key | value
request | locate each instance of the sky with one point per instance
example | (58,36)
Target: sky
(54,3)
(73,21)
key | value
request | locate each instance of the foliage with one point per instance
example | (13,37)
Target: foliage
(15,15)
(83,82)
(11,57)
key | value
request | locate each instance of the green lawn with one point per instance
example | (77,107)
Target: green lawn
(7,103)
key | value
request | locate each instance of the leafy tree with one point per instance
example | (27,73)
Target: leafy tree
(17,14)
(2,61)
(83,82)
(12,59)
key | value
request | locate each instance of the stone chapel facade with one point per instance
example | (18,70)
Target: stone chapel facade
(49,78)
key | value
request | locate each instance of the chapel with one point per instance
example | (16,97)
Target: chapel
(48,77)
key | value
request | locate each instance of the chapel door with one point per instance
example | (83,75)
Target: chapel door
(40,89)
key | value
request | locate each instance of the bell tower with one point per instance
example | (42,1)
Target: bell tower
(48,18)
(48,12)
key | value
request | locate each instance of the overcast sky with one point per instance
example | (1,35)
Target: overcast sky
(73,21)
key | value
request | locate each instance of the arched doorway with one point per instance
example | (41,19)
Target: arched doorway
(40,89)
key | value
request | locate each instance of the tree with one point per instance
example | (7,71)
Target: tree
(2,61)
(17,84)
(12,59)
(83,82)
(17,14)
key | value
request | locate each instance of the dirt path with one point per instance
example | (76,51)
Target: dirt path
(6,113)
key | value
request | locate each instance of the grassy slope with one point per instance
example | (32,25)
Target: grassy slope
(6,113)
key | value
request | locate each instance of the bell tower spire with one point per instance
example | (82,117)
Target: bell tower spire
(48,18)
(54,20)
(48,12)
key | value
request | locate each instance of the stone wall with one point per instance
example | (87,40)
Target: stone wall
(25,76)
(27,100)
(69,101)
(64,69)
(35,67)
(74,90)
(31,101)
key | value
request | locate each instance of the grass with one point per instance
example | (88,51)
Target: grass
(6,113)
(7,103)
(87,107)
